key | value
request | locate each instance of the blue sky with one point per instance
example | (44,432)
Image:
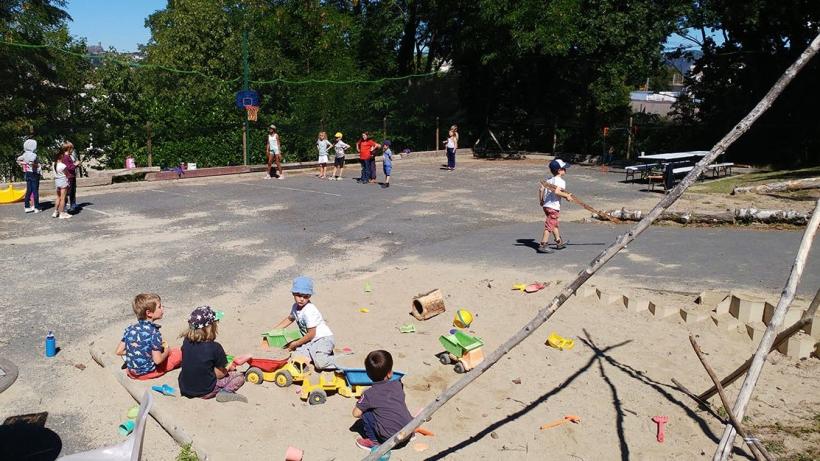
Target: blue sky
(117,23)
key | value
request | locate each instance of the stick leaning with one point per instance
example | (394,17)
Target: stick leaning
(545,313)
(575,198)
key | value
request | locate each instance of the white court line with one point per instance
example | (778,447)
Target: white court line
(97,211)
(169,192)
(289,188)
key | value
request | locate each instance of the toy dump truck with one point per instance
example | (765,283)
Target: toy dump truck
(347,382)
(275,370)
(461,349)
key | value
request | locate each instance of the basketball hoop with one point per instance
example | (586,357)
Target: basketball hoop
(252,112)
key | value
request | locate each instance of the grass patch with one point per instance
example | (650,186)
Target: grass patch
(187,454)
(726,184)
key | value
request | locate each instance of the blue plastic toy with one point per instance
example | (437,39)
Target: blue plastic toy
(358,376)
(165,389)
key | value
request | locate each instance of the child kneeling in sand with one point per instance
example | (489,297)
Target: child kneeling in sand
(382,407)
(317,339)
(205,370)
(147,356)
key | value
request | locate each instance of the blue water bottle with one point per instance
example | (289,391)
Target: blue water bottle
(51,345)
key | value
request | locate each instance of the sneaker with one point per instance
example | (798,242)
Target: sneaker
(29,210)
(65,216)
(36,210)
(55,214)
(544,248)
(560,245)
(267,176)
(281,176)
(387,185)
(225,396)
(366,444)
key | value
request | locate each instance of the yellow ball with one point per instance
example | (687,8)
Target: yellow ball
(463,318)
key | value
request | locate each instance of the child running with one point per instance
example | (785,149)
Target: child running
(339,161)
(382,407)
(205,370)
(551,202)
(31,170)
(323,145)
(146,355)
(387,163)
(317,339)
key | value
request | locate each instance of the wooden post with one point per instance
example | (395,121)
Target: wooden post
(554,138)
(438,140)
(605,256)
(148,145)
(384,126)
(759,359)
(245,143)
(754,447)
(629,140)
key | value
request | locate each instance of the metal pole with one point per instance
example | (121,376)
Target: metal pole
(384,126)
(554,138)
(438,141)
(245,78)
(148,145)
(629,140)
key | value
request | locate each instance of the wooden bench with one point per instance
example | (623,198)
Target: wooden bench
(644,170)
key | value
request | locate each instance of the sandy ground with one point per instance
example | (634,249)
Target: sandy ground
(616,378)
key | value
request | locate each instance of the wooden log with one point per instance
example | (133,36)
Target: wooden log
(771,216)
(756,368)
(605,256)
(755,448)
(771,188)
(134,388)
(784,336)
(739,215)
(427,305)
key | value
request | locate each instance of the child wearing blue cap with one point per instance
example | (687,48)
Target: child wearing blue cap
(317,338)
(551,202)
(387,159)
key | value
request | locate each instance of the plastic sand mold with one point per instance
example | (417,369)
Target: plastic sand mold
(165,389)
(133,412)
(520,286)
(533,287)
(463,318)
(368,287)
(559,342)
(364,310)
(407,328)
(126,428)
(558,422)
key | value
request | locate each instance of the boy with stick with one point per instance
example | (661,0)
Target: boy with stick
(550,200)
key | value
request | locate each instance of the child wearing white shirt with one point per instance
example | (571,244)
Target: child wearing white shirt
(317,341)
(551,203)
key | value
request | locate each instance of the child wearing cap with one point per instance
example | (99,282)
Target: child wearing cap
(339,161)
(387,159)
(147,356)
(205,370)
(551,202)
(317,339)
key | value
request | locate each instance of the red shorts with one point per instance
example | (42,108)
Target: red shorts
(551,221)
(173,361)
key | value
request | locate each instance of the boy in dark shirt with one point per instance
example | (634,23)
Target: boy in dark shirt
(382,407)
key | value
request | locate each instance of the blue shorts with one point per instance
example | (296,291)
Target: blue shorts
(387,169)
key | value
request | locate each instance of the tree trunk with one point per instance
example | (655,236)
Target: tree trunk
(797,184)
(739,215)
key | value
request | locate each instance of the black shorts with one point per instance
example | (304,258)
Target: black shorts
(339,162)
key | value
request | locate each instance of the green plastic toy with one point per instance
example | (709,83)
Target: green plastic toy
(280,337)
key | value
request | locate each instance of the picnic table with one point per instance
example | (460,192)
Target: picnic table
(671,164)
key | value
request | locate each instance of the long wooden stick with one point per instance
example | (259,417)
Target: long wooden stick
(607,254)
(740,430)
(589,208)
(805,319)
(759,359)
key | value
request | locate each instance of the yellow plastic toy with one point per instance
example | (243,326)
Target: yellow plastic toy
(463,318)
(559,342)
(11,195)
(295,370)
(520,286)
(329,381)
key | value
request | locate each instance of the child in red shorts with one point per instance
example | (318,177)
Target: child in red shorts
(551,202)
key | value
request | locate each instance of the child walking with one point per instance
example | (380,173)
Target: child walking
(317,340)
(147,356)
(387,163)
(274,151)
(382,407)
(551,202)
(205,370)
(31,171)
(323,145)
(339,161)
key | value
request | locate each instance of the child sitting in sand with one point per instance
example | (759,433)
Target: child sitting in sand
(317,339)
(146,354)
(382,407)
(205,370)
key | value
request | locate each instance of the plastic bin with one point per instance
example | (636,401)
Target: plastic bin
(280,337)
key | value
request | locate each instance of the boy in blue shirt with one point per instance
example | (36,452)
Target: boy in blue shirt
(146,355)
(382,407)
(387,159)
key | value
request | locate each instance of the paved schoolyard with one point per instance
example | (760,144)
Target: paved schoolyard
(194,240)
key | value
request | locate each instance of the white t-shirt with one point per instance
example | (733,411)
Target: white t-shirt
(310,317)
(323,145)
(273,142)
(340,148)
(451,142)
(550,199)
(59,170)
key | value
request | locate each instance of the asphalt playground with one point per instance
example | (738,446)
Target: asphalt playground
(192,240)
